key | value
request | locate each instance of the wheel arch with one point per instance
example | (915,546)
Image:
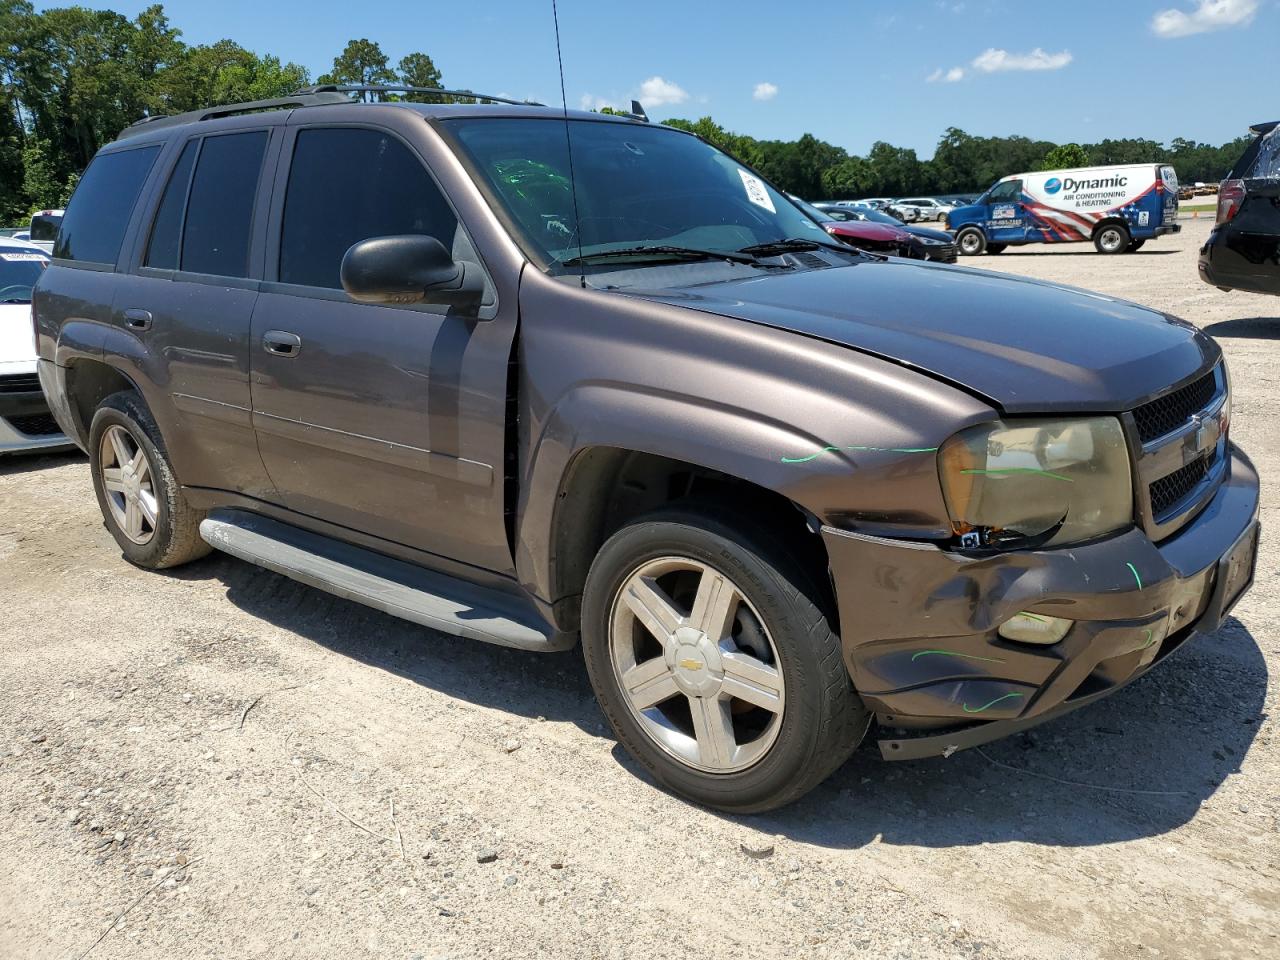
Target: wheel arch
(89,382)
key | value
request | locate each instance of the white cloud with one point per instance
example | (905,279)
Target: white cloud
(995,61)
(946,76)
(765,91)
(656,92)
(1208,15)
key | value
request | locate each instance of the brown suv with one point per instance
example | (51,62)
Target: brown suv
(535,379)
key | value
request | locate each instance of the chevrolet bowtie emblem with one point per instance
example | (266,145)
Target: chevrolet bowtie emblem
(691,664)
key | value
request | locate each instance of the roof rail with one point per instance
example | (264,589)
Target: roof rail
(398,88)
(303,98)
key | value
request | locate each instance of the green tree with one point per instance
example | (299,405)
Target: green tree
(418,70)
(1065,157)
(361,62)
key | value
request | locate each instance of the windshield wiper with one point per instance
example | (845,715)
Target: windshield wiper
(794,245)
(658,252)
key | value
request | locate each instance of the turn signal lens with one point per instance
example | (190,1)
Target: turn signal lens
(1034,628)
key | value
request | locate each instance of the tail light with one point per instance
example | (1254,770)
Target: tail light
(1159,186)
(1230,198)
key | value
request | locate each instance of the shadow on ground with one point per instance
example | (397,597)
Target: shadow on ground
(1089,251)
(15,463)
(1246,328)
(1173,736)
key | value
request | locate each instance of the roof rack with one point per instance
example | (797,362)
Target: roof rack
(303,98)
(306,97)
(397,88)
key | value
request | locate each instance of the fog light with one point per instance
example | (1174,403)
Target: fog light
(1034,628)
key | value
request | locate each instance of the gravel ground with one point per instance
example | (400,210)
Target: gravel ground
(246,767)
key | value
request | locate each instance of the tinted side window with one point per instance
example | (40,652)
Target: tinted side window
(347,185)
(162,251)
(98,215)
(215,238)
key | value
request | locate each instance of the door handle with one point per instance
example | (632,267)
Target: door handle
(137,319)
(281,343)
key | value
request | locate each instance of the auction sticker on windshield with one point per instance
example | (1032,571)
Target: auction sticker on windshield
(756,192)
(39,257)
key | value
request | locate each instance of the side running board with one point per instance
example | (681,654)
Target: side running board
(401,589)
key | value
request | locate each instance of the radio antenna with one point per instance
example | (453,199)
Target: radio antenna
(568,142)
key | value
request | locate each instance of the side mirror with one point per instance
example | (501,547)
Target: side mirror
(409,269)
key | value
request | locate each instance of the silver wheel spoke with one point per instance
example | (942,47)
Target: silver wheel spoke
(147,505)
(713,729)
(648,684)
(141,468)
(111,480)
(752,680)
(714,605)
(132,518)
(651,607)
(119,447)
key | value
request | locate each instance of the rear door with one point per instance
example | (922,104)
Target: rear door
(386,420)
(1168,178)
(181,317)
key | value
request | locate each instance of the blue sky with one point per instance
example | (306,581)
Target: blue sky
(849,71)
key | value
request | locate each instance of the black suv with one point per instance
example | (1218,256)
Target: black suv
(540,379)
(1243,251)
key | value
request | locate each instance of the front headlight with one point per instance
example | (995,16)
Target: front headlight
(1037,482)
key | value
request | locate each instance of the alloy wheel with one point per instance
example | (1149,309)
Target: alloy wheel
(696,665)
(127,481)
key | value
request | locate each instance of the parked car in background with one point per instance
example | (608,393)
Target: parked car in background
(926,208)
(44,228)
(926,244)
(1243,251)
(1119,208)
(777,488)
(25,422)
(890,239)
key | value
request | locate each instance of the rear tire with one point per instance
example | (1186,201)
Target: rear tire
(1112,238)
(141,501)
(741,704)
(971,242)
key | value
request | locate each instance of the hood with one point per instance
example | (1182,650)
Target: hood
(940,235)
(17,339)
(865,230)
(1025,345)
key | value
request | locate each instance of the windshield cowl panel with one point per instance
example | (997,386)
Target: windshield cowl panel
(632,186)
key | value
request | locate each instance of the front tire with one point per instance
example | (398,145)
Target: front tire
(714,663)
(1112,238)
(141,501)
(971,241)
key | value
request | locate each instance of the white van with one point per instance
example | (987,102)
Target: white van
(1118,208)
(44,228)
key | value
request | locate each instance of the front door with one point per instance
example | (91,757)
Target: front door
(1007,216)
(388,420)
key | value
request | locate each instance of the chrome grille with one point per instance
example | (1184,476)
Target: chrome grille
(1166,414)
(1181,452)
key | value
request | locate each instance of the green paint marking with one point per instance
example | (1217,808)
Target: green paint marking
(1032,616)
(988,706)
(1014,471)
(954,653)
(1150,640)
(815,456)
(1134,571)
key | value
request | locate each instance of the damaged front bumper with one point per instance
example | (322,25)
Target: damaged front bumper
(920,623)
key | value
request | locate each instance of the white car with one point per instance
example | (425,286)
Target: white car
(25,421)
(926,208)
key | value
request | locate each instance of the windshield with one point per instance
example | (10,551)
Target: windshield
(637,186)
(19,271)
